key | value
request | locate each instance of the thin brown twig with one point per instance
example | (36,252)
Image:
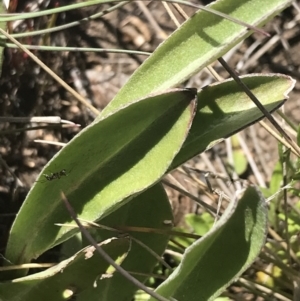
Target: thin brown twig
(51,73)
(37,119)
(170,13)
(18,182)
(266,113)
(100,250)
(277,137)
(205,205)
(180,11)
(33,128)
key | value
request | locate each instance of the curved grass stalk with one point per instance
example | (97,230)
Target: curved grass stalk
(52,74)
(68,25)
(74,49)
(95,2)
(51,11)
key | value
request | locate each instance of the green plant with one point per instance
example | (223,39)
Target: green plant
(113,170)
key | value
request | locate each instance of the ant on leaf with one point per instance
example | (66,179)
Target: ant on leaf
(55,175)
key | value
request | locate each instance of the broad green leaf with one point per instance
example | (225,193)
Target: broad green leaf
(109,161)
(140,212)
(223,109)
(150,209)
(195,44)
(210,264)
(70,277)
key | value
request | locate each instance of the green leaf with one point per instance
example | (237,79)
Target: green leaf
(109,161)
(214,261)
(148,210)
(298,136)
(72,276)
(223,109)
(276,179)
(200,223)
(195,44)
(240,162)
(140,212)
(275,185)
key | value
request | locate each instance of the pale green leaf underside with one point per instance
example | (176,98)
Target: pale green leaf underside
(149,209)
(108,161)
(223,109)
(140,212)
(75,274)
(210,264)
(194,45)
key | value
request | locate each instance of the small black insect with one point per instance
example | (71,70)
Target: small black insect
(55,175)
